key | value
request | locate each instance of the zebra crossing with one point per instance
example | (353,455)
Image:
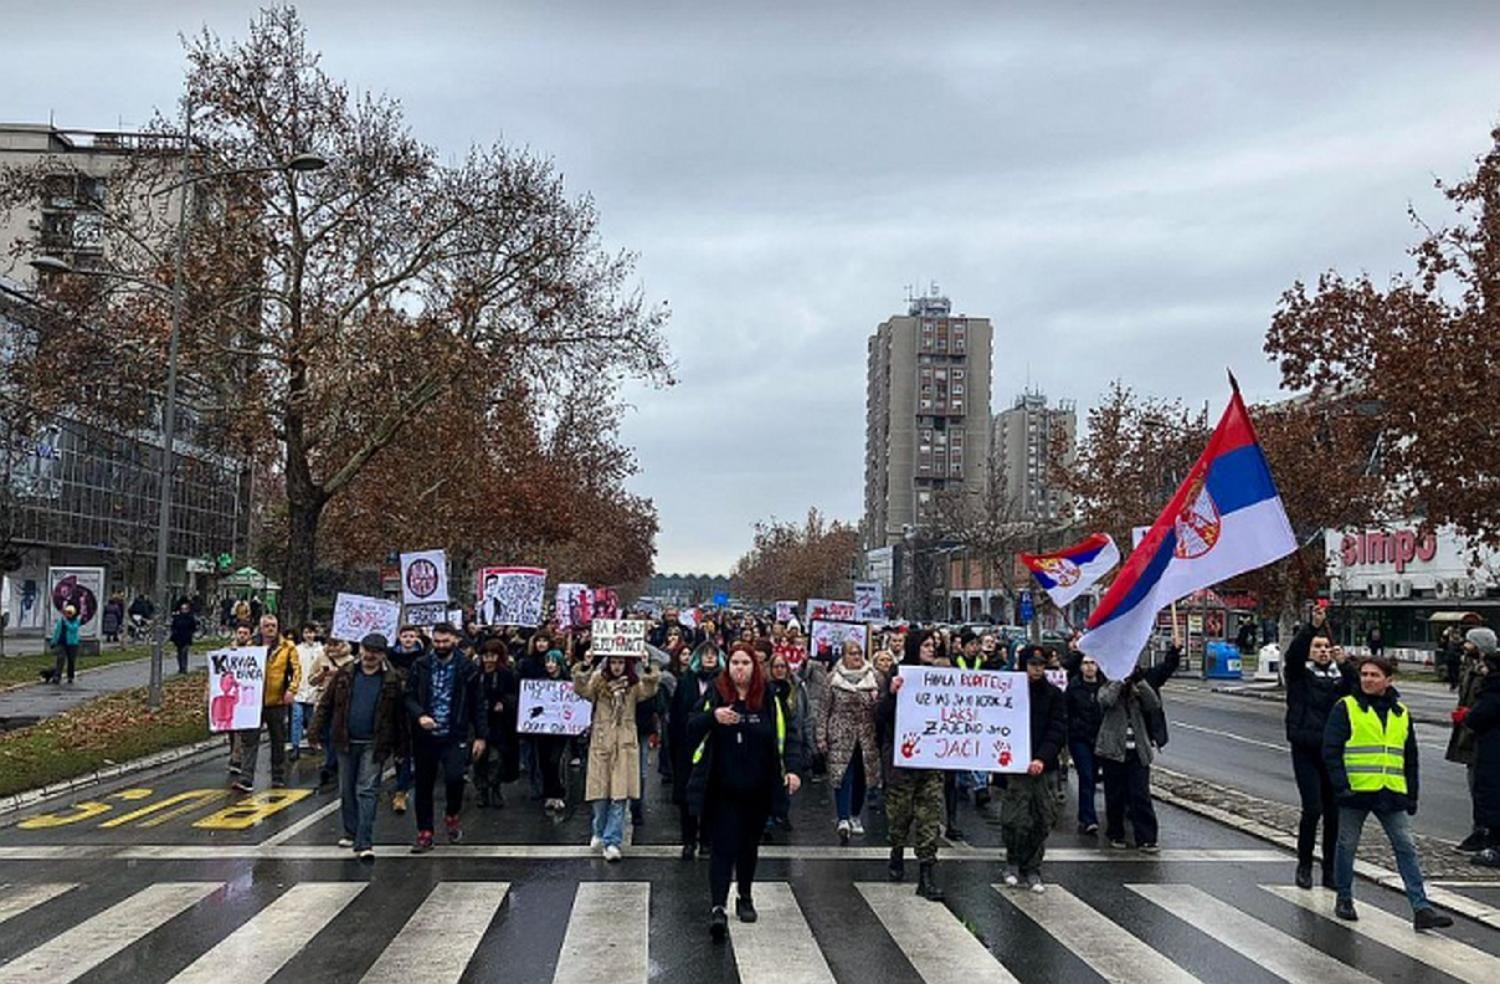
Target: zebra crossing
(612,930)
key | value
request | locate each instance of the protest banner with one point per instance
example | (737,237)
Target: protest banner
(573,606)
(869,601)
(552,707)
(1058,679)
(456,617)
(962,720)
(823,609)
(785,610)
(618,637)
(509,595)
(428,614)
(606,603)
(424,577)
(356,616)
(825,640)
(236,688)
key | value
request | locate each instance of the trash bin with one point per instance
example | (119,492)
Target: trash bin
(1221,661)
(1268,664)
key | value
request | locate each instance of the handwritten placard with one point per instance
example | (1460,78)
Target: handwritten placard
(869,601)
(962,720)
(236,688)
(1058,679)
(428,614)
(618,637)
(821,609)
(552,707)
(510,595)
(356,616)
(424,577)
(785,610)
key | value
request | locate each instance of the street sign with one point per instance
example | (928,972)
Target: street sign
(1025,610)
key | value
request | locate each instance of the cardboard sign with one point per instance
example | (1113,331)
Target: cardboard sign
(962,720)
(356,616)
(430,614)
(424,577)
(823,609)
(826,639)
(618,637)
(236,688)
(869,601)
(552,707)
(509,595)
(83,588)
(785,610)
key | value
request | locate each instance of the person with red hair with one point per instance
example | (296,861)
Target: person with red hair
(742,754)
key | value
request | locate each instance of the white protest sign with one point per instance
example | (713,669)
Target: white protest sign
(424,577)
(510,595)
(869,601)
(618,637)
(832,611)
(429,614)
(785,610)
(962,720)
(688,617)
(356,616)
(236,688)
(825,640)
(456,617)
(552,707)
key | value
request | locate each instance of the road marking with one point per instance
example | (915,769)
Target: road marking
(1456,959)
(1115,954)
(778,948)
(607,933)
(79,950)
(941,949)
(191,800)
(1285,956)
(274,935)
(283,836)
(1233,737)
(16,899)
(82,811)
(252,810)
(440,938)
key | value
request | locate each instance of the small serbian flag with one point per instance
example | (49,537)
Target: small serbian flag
(1068,573)
(1226,518)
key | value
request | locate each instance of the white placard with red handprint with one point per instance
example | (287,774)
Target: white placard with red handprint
(962,720)
(552,707)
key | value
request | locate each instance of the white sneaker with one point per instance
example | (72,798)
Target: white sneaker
(857,827)
(346,842)
(1034,882)
(844,830)
(612,853)
(1012,877)
(596,842)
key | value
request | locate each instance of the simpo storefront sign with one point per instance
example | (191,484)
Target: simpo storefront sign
(1401,559)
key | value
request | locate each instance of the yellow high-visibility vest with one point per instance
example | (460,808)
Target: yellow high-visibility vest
(780,735)
(1375,755)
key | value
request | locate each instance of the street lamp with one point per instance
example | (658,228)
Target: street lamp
(299,163)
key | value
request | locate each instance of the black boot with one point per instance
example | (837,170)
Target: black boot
(484,797)
(1304,876)
(897,866)
(718,924)
(1430,918)
(927,886)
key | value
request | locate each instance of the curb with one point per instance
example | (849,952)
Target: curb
(172,756)
(1384,877)
(1278,695)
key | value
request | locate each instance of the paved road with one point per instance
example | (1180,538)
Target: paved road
(1240,742)
(172,879)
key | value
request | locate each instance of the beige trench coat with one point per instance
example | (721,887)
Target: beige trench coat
(614,748)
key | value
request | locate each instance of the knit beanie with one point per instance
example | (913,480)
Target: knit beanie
(1483,640)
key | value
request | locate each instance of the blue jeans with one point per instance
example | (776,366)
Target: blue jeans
(1083,762)
(359,792)
(609,821)
(849,798)
(635,804)
(302,719)
(1398,831)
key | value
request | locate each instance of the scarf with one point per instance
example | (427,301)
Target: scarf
(857,681)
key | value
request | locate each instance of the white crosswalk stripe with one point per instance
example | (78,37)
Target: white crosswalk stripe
(778,948)
(258,949)
(1456,959)
(440,938)
(16,899)
(941,949)
(75,952)
(1115,954)
(1280,953)
(607,935)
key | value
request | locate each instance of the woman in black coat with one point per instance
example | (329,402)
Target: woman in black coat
(1084,717)
(693,693)
(1483,719)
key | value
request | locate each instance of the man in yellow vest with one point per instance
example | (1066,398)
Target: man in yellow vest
(1370,747)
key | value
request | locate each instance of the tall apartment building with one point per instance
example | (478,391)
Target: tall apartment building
(927,414)
(1023,438)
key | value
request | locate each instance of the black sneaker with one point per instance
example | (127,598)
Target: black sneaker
(1344,909)
(1487,858)
(953,834)
(1431,919)
(1329,882)
(718,924)
(744,910)
(1304,876)
(1472,843)
(689,852)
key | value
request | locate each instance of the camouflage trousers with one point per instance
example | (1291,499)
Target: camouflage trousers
(1028,809)
(914,810)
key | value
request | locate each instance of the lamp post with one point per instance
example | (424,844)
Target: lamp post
(299,163)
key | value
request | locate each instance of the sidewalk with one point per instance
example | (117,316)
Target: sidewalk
(1430,702)
(26,705)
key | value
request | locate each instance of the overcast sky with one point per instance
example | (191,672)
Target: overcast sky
(1123,189)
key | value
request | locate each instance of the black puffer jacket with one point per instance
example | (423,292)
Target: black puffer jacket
(1049,722)
(1084,712)
(1311,692)
(1484,722)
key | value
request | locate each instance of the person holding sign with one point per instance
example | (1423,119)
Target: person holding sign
(1028,809)
(445,700)
(614,768)
(283,678)
(741,754)
(914,801)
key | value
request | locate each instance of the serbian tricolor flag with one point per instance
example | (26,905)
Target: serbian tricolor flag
(1068,573)
(1225,519)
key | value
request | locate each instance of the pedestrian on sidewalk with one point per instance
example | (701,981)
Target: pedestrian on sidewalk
(742,752)
(914,805)
(362,709)
(615,687)
(112,618)
(1027,807)
(846,736)
(1318,675)
(1482,722)
(1084,717)
(305,702)
(283,677)
(693,696)
(184,627)
(1370,747)
(65,642)
(1478,644)
(1125,752)
(444,699)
